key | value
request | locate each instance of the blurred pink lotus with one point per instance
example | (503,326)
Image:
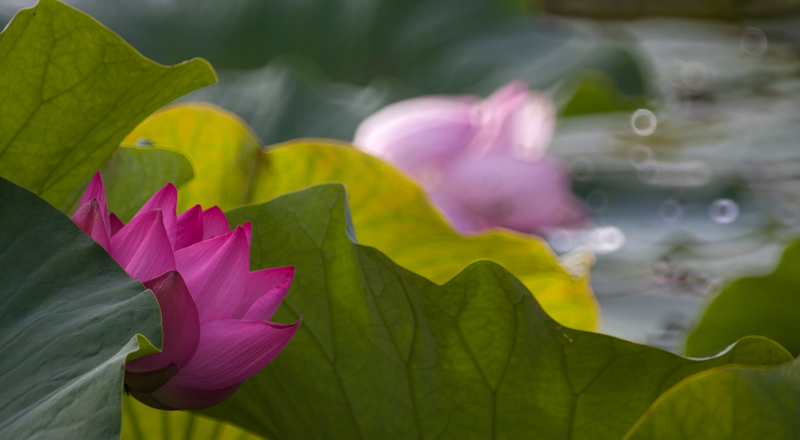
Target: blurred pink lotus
(214,312)
(482,161)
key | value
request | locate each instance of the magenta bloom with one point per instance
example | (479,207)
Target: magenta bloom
(214,312)
(482,161)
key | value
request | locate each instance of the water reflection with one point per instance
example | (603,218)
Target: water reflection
(723,211)
(643,122)
(670,212)
(600,240)
(754,41)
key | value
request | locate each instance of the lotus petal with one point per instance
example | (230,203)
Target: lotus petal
(420,133)
(214,223)
(190,227)
(96,190)
(179,321)
(165,199)
(216,272)
(230,351)
(503,191)
(173,396)
(263,293)
(142,247)
(116,224)
(89,217)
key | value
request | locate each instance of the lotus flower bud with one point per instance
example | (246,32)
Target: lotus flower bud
(214,312)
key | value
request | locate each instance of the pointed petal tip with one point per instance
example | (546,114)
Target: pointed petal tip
(214,223)
(89,217)
(243,233)
(165,199)
(189,227)
(264,292)
(96,178)
(193,209)
(142,247)
(167,190)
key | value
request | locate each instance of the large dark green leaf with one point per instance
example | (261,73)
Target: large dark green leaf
(69,316)
(383,353)
(727,403)
(767,306)
(70,90)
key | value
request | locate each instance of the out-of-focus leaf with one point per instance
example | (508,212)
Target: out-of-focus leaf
(288,100)
(393,214)
(140,422)
(313,68)
(593,91)
(134,174)
(767,306)
(70,90)
(389,210)
(385,354)
(708,9)
(349,41)
(69,316)
(727,403)
(224,151)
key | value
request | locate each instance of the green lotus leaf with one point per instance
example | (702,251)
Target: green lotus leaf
(383,353)
(223,149)
(767,306)
(70,90)
(729,403)
(140,422)
(389,210)
(69,317)
(134,174)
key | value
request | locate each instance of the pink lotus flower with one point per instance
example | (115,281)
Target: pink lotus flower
(214,312)
(482,161)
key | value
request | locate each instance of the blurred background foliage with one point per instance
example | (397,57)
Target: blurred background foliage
(697,187)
